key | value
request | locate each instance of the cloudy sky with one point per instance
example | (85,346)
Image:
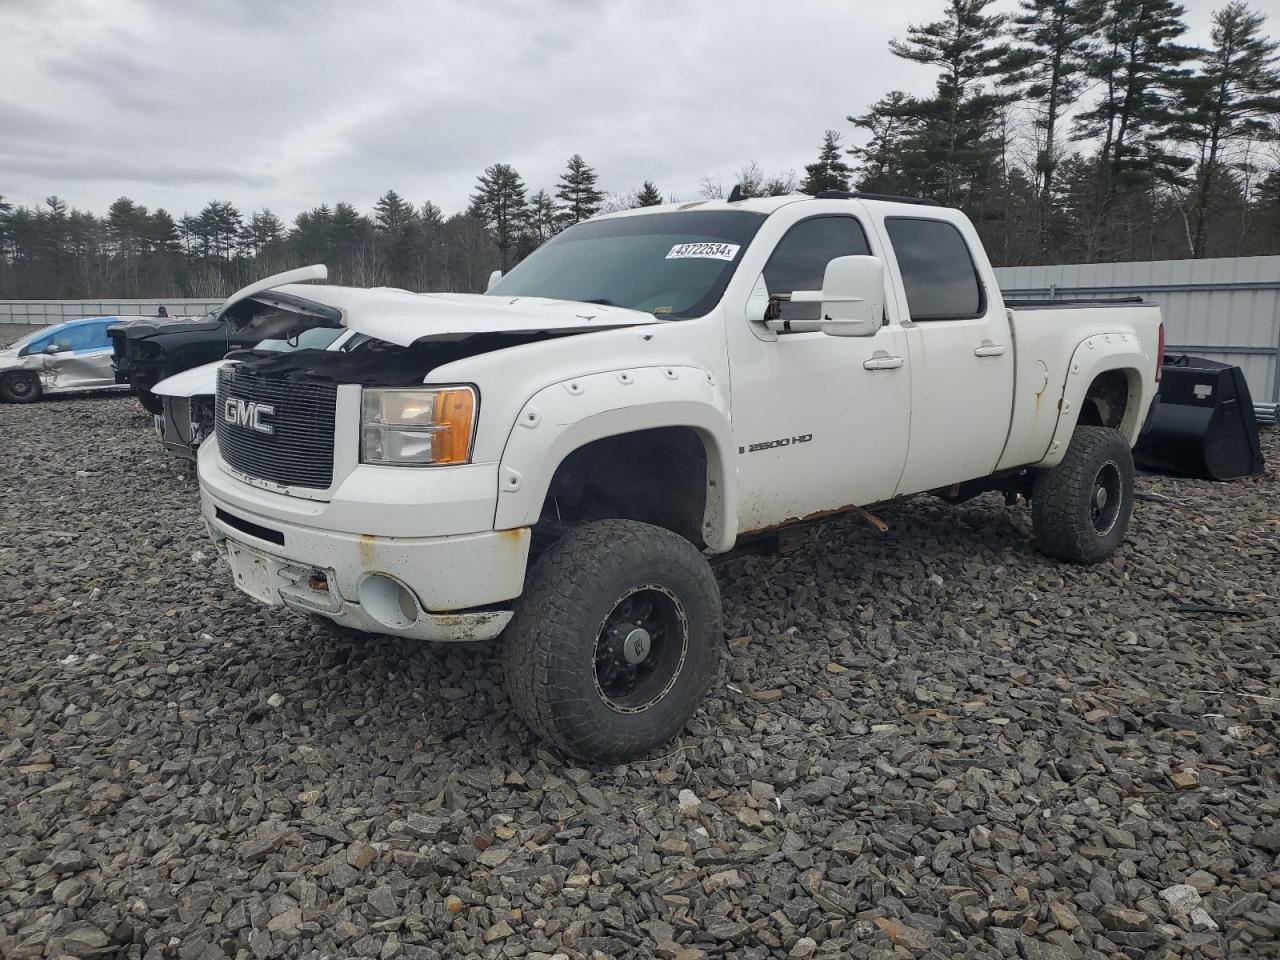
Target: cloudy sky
(290,103)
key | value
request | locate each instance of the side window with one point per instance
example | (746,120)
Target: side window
(81,338)
(38,346)
(98,339)
(801,257)
(937,271)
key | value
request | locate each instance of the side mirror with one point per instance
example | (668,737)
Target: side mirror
(852,299)
(53,348)
(493,279)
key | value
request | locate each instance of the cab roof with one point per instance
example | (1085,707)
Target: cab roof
(767,205)
(761,205)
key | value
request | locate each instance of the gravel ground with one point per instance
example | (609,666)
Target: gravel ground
(929,742)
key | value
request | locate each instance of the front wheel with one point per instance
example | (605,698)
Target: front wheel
(615,640)
(150,402)
(20,387)
(1080,508)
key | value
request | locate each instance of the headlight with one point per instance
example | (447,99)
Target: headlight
(417,427)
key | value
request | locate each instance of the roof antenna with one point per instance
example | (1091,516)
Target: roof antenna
(735,194)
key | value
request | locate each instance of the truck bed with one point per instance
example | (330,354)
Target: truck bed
(1057,346)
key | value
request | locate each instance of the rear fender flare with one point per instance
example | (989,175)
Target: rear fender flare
(1097,355)
(572,413)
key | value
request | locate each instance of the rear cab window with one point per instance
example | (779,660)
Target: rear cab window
(799,261)
(938,272)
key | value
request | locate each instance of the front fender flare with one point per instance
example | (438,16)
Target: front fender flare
(567,415)
(1097,355)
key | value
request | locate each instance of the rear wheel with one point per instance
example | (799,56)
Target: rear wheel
(22,386)
(1080,509)
(615,640)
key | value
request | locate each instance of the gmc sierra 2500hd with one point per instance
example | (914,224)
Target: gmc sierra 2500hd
(555,459)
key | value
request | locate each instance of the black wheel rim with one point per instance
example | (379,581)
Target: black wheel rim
(640,648)
(1105,498)
(20,386)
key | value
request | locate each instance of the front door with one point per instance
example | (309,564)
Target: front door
(821,422)
(83,359)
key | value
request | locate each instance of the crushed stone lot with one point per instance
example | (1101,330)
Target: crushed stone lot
(929,742)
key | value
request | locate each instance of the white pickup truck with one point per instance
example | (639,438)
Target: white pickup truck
(555,460)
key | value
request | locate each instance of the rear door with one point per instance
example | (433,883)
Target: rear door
(960,350)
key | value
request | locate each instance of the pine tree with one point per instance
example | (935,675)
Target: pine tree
(396,222)
(579,198)
(893,122)
(953,148)
(499,203)
(543,218)
(263,230)
(6,231)
(648,195)
(431,215)
(1053,40)
(218,229)
(162,232)
(830,172)
(1138,66)
(392,213)
(1228,100)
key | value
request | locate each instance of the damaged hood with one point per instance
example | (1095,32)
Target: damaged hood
(149,327)
(404,318)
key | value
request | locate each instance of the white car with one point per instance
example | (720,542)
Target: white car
(556,459)
(186,399)
(69,357)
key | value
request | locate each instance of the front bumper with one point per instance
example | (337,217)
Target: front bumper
(284,551)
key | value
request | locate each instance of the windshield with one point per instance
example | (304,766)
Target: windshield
(317,338)
(24,341)
(669,264)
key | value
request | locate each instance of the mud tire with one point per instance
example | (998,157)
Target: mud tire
(557,657)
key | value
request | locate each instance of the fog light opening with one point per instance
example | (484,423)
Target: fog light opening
(388,601)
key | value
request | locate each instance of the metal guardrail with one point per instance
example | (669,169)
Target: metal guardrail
(46,312)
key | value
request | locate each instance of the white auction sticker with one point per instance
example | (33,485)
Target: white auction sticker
(703,251)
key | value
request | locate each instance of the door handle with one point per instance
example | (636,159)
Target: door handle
(989,349)
(882,362)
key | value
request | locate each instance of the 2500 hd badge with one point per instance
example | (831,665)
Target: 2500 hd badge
(774,444)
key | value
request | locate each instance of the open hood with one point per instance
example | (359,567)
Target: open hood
(404,318)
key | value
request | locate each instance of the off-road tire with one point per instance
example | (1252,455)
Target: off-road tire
(1065,516)
(551,646)
(22,386)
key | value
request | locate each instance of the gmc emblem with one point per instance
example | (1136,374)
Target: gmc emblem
(247,413)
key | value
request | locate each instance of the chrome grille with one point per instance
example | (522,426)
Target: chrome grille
(298,452)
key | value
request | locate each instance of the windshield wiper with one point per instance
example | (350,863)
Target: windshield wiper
(603,301)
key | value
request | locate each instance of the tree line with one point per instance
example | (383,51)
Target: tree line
(1070,131)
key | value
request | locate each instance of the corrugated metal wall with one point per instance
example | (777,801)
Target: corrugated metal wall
(1226,309)
(40,312)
